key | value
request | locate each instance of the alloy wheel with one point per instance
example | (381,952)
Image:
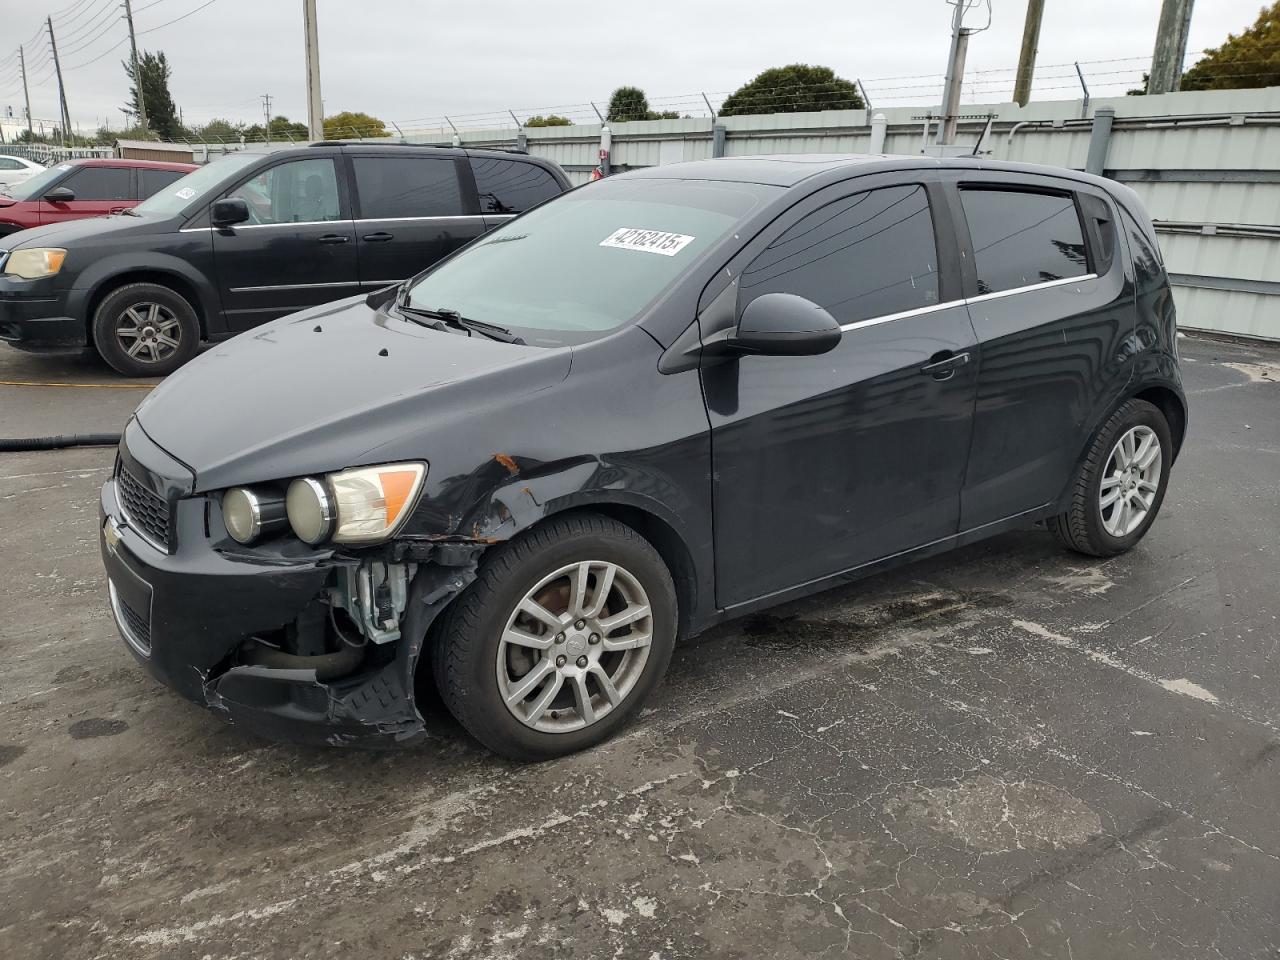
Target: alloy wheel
(1130,481)
(575,646)
(148,332)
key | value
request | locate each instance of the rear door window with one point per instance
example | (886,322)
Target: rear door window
(153,181)
(391,187)
(868,255)
(101,183)
(511,186)
(1022,238)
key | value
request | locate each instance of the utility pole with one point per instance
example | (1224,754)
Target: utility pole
(315,107)
(62,91)
(266,113)
(1171,46)
(137,74)
(1027,58)
(955,74)
(22,60)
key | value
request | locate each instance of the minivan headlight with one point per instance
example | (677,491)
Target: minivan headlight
(32,263)
(363,505)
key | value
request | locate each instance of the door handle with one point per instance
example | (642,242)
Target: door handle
(380,237)
(944,364)
(335,238)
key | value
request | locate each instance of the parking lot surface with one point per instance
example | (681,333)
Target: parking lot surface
(1007,751)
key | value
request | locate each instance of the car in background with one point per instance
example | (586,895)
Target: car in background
(84,188)
(252,237)
(16,170)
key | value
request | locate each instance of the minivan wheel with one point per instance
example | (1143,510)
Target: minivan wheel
(145,330)
(563,635)
(1119,487)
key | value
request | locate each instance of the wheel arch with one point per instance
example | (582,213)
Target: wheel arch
(172,279)
(1171,404)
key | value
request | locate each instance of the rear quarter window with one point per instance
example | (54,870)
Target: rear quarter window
(511,186)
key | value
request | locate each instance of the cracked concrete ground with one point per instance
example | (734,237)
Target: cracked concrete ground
(1009,751)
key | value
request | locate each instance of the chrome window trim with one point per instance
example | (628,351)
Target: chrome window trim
(1062,281)
(443,216)
(965,301)
(122,625)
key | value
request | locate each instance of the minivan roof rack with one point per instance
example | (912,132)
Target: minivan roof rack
(401,143)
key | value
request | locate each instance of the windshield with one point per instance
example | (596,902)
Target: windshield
(176,196)
(590,260)
(33,187)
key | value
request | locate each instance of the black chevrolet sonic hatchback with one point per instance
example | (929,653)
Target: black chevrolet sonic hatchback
(654,403)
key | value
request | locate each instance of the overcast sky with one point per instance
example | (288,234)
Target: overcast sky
(413,62)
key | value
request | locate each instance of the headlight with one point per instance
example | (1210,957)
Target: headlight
(35,262)
(248,513)
(364,505)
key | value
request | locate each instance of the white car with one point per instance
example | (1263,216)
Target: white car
(13,170)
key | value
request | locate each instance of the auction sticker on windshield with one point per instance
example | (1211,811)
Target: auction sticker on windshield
(186,193)
(647,241)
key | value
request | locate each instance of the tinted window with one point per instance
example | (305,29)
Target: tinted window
(8,163)
(101,183)
(300,191)
(511,186)
(1023,238)
(1146,256)
(407,187)
(865,256)
(149,181)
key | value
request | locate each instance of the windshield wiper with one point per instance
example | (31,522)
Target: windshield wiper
(453,318)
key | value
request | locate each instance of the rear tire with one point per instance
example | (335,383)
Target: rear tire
(582,678)
(145,330)
(1130,456)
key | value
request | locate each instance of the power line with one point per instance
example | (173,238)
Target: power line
(176,19)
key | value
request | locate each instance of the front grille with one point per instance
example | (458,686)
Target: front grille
(135,624)
(146,510)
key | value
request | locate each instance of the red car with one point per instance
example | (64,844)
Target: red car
(84,188)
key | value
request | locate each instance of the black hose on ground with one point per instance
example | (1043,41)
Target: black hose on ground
(59,443)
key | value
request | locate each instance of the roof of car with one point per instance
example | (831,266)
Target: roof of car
(787,170)
(140,164)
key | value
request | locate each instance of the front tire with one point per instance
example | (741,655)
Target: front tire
(564,634)
(1119,486)
(145,330)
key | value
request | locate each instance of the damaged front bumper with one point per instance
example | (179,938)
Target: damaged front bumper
(194,616)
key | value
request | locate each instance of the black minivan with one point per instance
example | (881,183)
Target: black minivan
(665,399)
(251,237)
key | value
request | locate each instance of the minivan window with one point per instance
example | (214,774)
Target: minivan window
(511,186)
(178,196)
(590,260)
(152,181)
(101,183)
(1022,238)
(868,255)
(299,191)
(391,187)
(34,187)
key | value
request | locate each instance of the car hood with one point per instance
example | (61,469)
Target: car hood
(68,232)
(327,388)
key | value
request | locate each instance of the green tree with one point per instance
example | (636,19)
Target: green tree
(627,103)
(550,120)
(162,115)
(796,88)
(281,128)
(348,124)
(1250,59)
(218,130)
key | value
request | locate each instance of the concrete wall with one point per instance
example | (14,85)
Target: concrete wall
(1206,163)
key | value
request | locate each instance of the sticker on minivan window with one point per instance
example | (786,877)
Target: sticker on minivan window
(186,193)
(647,241)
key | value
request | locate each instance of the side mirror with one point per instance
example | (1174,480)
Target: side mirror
(60,195)
(228,212)
(784,325)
